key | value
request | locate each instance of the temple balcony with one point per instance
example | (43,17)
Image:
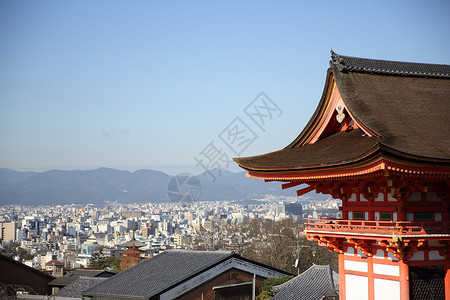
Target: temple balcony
(402,238)
(377,229)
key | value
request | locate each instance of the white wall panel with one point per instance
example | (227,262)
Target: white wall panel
(356,287)
(350,251)
(386,289)
(379,254)
(390,198)
(419,255)
(416,196)
(386,269)
(434,255)
(360,266)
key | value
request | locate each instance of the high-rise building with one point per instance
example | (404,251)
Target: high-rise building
(294,209)
(8,232)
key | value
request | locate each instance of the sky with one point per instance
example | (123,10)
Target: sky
(171,85)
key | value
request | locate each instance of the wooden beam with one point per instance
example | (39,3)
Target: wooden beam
(305,190)
(290,184)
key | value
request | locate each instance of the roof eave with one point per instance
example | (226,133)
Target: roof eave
(342,163)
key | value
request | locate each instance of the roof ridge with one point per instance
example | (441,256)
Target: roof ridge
(388,67)
(200,251)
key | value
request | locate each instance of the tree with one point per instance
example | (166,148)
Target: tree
(266,286)
(101,262)
(279,244)
(16,250)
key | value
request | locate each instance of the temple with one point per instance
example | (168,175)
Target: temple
(379,141)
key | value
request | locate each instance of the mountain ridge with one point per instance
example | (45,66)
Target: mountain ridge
(106,184)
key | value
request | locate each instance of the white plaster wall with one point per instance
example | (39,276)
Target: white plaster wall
(437,216)
(350,251)
(356,287)
(419,255)
(350,215)
(394,217)
(409,217)
(366,216)
(352,198)
(391,256)
(377,216)
(379,254)
(351,265)
(360,254)
(432,197)
(380,197)
(416,196)
(386,269)
(434,255)
(386,289)
(390,198)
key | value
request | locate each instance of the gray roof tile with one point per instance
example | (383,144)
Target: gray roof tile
(377,66)
(310,285)
(73,275)
(155,275)
(75,288)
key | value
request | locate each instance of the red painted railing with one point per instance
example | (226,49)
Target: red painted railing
(380,227)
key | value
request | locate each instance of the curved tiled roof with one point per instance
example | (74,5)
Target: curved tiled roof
(376,66)
(408,117)
(411,113)
(339,148)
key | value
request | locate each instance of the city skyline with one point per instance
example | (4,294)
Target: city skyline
(151,85)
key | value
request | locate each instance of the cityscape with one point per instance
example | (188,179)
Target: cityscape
(232,150)
(72,233)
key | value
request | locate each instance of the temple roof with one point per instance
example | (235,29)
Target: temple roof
(376,66)
(401,109)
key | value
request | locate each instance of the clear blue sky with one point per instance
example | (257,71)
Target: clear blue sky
(149,84)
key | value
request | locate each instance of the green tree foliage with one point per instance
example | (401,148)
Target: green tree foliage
(101,262)
(16,250)
(279,244)
(266,286)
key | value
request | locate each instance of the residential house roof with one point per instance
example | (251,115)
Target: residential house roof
(73,275)
(82,283)
(312,284)
(167,270)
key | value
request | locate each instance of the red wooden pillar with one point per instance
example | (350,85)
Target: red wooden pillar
(447,279)
(342,277)
(404,280)
(344,212)
(370,278)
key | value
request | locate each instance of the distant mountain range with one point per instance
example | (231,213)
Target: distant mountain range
(104,184)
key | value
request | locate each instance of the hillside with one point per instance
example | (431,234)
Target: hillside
(104,184)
